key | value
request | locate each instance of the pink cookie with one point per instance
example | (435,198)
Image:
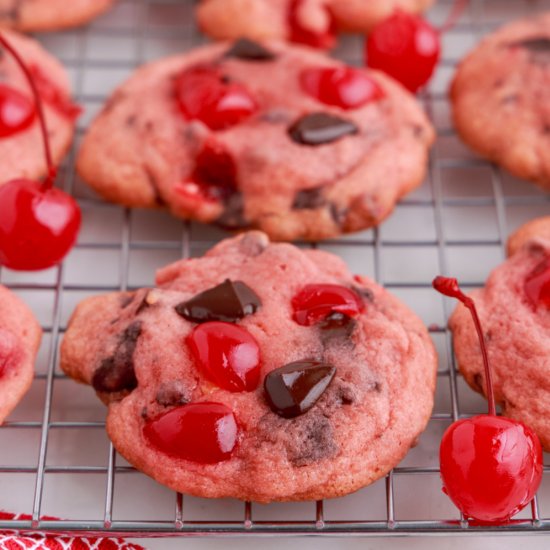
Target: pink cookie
(340,419)
(287,158)
(19,340)
(21,145)
(48,15)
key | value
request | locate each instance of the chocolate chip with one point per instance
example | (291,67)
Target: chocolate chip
(336,326)
(320,128)
(294,389)
(171,394)
(228,302)
(116,373)
(309,199)
(337,213)
(313,441)
(365,293)
(537,44)
(249,51)
(233,215)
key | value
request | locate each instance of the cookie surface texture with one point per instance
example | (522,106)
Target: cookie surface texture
(287,162)
(49,15)
(367,375)
(500,99)
(20,336)
(514,309)
(22,150)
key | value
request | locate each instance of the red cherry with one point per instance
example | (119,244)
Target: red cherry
(17,111)
(37,226)
(304,35)
(315,302)
(345,87)
(491,467)
(227,354)
(201,432)
(204,94)
(406,47)
(537,284)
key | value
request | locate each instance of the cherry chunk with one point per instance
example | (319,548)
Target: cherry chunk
(537,284)
(17,111)
(227,354)
(314,303)
(294,389)
(204,93)
(228,302)
(202,432)
(343,86)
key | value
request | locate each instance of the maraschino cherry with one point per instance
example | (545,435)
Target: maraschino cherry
(491,466)
(38,223)
(407,47)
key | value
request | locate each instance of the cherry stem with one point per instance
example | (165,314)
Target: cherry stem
(52,171)
(449,287)
(458,7)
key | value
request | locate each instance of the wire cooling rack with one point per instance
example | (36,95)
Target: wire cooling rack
(55,458)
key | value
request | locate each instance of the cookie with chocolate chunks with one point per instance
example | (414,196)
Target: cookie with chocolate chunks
(500,97)
(49,15)
(261,372)
(21,145)
(259,135)
(514,310)
(20,336)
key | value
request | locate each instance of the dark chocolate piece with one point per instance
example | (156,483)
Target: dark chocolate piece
(116,373)
(228,302)
(537,44)
(233,215)
(293,389)
(336,326)
(321,128)
(171,394)
(309,199)
(248,50)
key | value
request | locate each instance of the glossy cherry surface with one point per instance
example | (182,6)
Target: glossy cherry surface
(345,87)
(303,35)
(537,285)
(316,302)
(37,227)
(202,432)
(204,94)
(406,47)
(17,111)
(227,354)
(491,467)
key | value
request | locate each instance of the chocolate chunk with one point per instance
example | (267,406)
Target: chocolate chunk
(171,394)
(336,326)
(309,199)
(233,215)
(337,213)
(313,441)
(228,302)
(538,44)
(249,51)
(293,389)
(320,128)
(116,373)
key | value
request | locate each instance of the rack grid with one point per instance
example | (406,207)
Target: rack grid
(55,458)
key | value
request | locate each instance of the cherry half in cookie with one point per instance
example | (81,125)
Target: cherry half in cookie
(537,285)
(491,466)
(38,223)
(202,432)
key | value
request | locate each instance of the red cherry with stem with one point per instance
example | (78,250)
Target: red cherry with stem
(345,87)
(204,94)
(227,354)
(406,47)
(491,467)
(537,284)
(17,111)
(315,303)
(38,223)
(202,432)
(303,35)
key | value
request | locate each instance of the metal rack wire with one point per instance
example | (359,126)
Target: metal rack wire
(55,458)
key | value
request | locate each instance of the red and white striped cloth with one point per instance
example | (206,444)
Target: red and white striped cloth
(37,541)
